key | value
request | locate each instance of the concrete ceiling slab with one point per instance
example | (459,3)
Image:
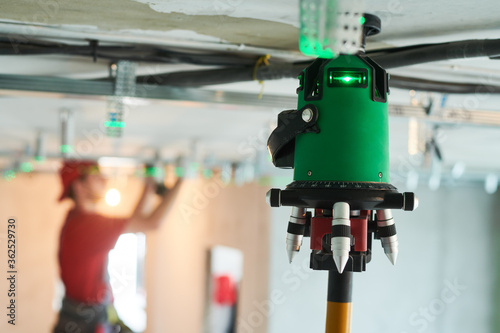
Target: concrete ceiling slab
(241,27)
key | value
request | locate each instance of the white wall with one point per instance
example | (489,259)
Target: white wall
(445,242)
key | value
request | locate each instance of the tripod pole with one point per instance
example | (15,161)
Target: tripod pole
(338,309)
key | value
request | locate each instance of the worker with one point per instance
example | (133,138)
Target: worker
(85,241)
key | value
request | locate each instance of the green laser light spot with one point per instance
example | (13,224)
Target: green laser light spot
(26,167)
(207,173)
(9,175)
(350,78)
(179,171)
(66,148)
(119,124)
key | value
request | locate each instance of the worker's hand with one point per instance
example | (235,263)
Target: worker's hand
(177,184)
(162,191)
(143,222)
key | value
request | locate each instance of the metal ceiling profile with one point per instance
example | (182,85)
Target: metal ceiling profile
(67,119)
(53,87)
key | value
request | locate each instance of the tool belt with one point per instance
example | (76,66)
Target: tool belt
(82,318)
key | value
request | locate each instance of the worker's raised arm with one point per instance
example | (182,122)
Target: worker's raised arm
(140,222)
(147,193)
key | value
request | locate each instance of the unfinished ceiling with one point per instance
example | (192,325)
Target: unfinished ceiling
(228,121)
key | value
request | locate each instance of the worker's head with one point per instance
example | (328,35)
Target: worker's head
(82,180)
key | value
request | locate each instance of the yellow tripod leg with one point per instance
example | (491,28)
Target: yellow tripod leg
(338,309)
(338,317)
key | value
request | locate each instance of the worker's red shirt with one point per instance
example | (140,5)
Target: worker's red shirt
(86,240)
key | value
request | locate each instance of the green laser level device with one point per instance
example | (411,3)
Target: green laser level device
(337,142)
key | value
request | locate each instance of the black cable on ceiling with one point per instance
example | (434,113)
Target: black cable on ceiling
(387,58)
(442,86)
(231,75)
(394,59)
(239,68)
(439,52)
(143,53)
(225,75)
(388,50)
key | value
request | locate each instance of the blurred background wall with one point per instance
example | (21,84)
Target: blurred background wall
(446,278)
(205,214)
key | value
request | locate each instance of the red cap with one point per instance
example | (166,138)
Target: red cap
(71,170)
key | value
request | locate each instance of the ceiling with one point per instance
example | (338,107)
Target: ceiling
(228,122)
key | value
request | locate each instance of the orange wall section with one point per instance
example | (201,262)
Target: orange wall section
(207,213)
